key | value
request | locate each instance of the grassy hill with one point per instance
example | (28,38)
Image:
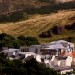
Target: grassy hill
(39,23)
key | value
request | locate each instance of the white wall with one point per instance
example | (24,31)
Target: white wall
(38,58)
(33,48)
(69,61)
(46,61)
(65,71)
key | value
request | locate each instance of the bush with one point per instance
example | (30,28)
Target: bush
(12,17)
(7,40)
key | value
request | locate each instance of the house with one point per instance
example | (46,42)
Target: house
(61,64)
(58,63)
(24,48)
(51,49)
(54,61)
(11,52)
(58,55)
(57,48)
(61,61)
(60,47)
(27,54)
(5,48)
(35,48)
(38,57)
(31,54)
(69,61)
(63,70)
(72,55)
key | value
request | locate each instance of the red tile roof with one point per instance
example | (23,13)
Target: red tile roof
(63,53)
(72,54)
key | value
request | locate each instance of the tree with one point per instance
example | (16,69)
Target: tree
(30,67)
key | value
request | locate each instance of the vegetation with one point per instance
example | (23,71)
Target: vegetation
(13,42)
(27,40)
(18,14)
(51,8)
(12,17)
(16,67)
(41,23)
(43,0)
(57,30)
(38,22)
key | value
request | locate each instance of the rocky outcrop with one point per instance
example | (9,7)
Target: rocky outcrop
(57,30)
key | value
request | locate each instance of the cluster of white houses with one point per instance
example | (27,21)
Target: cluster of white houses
(58,55)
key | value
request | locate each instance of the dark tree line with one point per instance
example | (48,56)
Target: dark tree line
(12,17)
(51,8)
(7,40)
(19,15)
(16,67)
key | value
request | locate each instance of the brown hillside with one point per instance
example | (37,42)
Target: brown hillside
(38,23)
(12,5)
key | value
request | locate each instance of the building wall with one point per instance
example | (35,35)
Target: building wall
(35,49)
(65,71)
(47,51)
(62,63)
(73,61)
(24,49)
(69,61)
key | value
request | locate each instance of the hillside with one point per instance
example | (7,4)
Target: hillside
(39,23)
(8,6)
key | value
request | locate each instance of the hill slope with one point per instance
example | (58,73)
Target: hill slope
(8,6)
(39,23)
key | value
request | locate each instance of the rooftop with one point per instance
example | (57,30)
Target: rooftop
(10,50)
(62,68)
(32,53)
(71,54)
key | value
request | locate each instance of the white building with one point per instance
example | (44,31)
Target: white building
(57,47)
(61,64)
(11,52)
(27,54)
(35,48)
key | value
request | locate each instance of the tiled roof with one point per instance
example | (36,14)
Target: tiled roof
(72,54)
